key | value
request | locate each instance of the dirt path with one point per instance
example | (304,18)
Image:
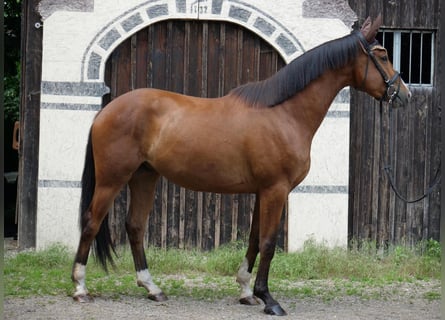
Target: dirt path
(348,308)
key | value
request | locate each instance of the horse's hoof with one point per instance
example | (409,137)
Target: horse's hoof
(83,298)
(250,301)
(159,297)
(275,310)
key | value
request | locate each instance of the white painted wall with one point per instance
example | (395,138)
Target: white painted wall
(76,45)
(323,217)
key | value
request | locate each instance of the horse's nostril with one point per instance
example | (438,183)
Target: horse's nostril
(409,94)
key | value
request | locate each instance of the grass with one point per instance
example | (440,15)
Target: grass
(316,271)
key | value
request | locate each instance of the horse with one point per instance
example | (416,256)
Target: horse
(256,139)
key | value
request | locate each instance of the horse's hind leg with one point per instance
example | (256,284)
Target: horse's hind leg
(142,188)
(102,198)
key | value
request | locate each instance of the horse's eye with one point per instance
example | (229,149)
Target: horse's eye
(384,58)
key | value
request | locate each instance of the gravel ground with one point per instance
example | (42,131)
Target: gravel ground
(405,301)
(412,306)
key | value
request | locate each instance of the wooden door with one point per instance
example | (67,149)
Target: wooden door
(197,58)
(375,212)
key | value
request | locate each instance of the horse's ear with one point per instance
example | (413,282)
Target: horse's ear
(366,26)
(370,28)
(374,29)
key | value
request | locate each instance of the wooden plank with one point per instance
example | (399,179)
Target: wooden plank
(31,70)
(354,160)
(239,56)
(234,217)
(364,191)
(226,217)
(173,216)
(375,169)
(123,72)
(194,66)
(434,200)
(214,61)
(181,218)
(425,13)
(266,61)
(178,57)
(401,167)
(406,14)
(158,57)
(240,217)
(419,165)
(383,187)
(392,197)
(187,45)
(141,57)
(204,59)
(217,222)
(222,61)
(133,59)
(231,59)
(191,220)
(164,212)
(207,222)
(151,44)
(168,57)
(199,215)
(154,223)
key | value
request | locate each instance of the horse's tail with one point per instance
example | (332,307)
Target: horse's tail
(103,246)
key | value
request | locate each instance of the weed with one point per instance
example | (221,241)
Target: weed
(432,295)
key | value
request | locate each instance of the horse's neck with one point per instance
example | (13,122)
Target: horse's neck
(312,103)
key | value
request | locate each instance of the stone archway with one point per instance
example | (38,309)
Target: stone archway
(139,17)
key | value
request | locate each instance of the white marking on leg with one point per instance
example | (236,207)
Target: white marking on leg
(79,272)
(243,278)
(145,280)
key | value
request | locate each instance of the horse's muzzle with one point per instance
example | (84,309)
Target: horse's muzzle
(401,99)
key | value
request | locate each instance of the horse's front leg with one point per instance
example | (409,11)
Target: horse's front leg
(245,271)
(271,207)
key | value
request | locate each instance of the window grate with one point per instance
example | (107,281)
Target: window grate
(412,53)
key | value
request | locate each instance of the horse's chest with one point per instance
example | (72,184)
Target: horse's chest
(297,164)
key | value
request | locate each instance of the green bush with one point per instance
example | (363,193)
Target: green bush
(12,96)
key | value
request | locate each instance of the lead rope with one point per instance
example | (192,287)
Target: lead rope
(388,168)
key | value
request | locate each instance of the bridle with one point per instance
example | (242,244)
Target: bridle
(391,93)
(392,90)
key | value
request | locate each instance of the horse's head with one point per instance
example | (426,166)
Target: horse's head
(374,72)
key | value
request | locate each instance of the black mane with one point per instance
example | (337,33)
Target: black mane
(297,74)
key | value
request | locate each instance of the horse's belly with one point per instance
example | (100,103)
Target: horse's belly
(211,172)
(209,182)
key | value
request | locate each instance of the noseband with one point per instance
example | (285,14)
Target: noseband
(392,90)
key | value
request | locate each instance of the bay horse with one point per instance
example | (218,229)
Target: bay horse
(256,139)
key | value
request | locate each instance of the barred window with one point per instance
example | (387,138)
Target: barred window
(411,52)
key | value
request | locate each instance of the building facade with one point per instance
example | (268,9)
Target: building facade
(78,39)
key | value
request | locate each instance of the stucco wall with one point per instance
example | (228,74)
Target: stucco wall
(80,35)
